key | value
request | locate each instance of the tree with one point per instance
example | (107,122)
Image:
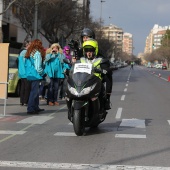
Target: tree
(58,17)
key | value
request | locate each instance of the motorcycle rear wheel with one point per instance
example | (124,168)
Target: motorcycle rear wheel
(78,122)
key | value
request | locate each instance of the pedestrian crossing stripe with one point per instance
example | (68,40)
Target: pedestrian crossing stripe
(9,132)
(136,123)
(74,166)
(36,119)
(65,134)
(130,136)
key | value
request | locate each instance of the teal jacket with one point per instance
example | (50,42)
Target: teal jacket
(34,67)
(54,65)
(21,64)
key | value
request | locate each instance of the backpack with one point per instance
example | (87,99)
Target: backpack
(31,72)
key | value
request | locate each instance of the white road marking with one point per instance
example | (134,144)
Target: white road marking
(8,132)
(136,123)
(36,119)
(53,165)
(125,89)
(126,85)
(168,121)
(65,134)
(118,114)
(123,97)
(129,136)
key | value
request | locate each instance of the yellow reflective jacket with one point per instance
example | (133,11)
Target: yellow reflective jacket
(95,62)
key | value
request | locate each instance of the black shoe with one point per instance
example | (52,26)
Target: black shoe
(40,110)
(32,113)
(107,105)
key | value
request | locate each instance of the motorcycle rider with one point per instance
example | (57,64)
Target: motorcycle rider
(90,50)
(89,34)
(85,35)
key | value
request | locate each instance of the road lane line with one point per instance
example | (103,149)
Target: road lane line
(11,136)
(10,132)
(126,85)
(65,134)
(118,114)
(58,110)
(130,136)
(27,127)
(36,119)
(123,97)
(54,165)
(125,89)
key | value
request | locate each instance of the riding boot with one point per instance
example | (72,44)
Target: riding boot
(69,102)
(107,102)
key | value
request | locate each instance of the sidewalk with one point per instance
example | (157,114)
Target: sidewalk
(13,107)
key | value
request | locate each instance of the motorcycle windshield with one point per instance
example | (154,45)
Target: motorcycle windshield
(81,74)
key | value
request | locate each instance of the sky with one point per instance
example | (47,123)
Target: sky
(137,17)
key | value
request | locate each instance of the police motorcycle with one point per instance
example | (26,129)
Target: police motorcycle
(84,98)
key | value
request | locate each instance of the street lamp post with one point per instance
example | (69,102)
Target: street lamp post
(101,14)
(109,30)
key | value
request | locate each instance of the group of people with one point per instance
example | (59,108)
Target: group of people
(35,64)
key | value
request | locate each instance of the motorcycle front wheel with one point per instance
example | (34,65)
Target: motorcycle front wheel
(78,122)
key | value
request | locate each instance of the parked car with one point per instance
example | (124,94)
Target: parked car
(158,66)
(114,65)
(164,67)
(14,83)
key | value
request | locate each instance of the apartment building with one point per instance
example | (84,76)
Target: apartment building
(114,33)
(128,43)
(153,40)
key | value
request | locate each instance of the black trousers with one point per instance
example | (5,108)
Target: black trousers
(109,82)
(25,91)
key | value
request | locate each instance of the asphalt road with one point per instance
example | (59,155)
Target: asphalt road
(135,134)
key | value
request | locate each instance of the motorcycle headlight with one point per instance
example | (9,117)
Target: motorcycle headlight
(72,90)
(11,76)
(85,91)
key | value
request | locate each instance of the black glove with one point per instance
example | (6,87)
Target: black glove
(66,71)
(44,76)
(98,70)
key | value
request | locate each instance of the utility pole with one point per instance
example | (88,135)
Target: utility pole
(36,20)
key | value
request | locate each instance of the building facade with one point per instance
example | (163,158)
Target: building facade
(114,33)
(128,43)
(153,40)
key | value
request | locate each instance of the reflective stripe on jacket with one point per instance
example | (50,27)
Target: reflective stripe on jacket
(95,62)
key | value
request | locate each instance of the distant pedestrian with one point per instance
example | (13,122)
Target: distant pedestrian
(132,64)
(25,84)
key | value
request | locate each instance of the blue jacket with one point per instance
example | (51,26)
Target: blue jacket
(54,65)
(21,64)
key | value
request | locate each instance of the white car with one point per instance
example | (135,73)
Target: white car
(158,66)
